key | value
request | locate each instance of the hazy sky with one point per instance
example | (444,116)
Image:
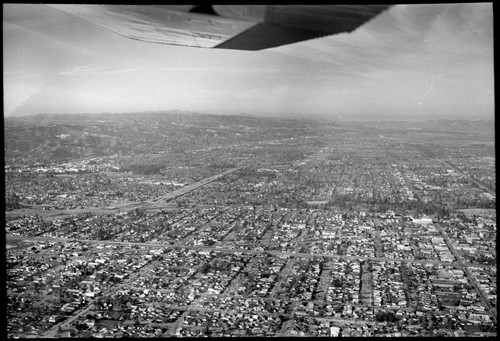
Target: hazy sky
(412,61)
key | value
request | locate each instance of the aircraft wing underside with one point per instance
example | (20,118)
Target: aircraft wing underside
(241,27)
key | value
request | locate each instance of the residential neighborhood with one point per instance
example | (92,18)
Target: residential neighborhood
(319,230)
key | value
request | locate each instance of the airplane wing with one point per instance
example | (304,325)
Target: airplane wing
(240,27)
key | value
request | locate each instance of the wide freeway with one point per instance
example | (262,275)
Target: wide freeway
(162,202)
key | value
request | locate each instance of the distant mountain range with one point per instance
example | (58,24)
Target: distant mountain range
(45,137)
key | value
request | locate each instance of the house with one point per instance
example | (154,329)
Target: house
(334,331)
(55,318)
(68,308)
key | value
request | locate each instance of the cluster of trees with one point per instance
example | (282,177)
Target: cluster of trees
(142,168)
(11,201)
(386,316)
(349,202)
(101,234)
(481,258)
(219,264)
(61,153)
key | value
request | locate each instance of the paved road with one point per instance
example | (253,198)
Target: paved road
(228,250)
(350,321)
(480,185)
(472,278)
(52,332)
